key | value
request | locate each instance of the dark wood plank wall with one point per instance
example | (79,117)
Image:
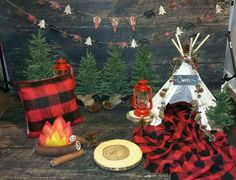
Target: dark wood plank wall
(16,31)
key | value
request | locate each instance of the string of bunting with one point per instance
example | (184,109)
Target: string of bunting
(123,44)
(97,19)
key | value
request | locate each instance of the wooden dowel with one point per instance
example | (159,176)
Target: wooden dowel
(204,40)
(180,46)
(195,40)
(65,158)
(173,41)
(190,47)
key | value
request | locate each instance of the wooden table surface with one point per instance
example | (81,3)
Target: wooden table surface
(17,160)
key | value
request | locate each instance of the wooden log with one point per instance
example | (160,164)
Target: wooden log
(56,150)
(67,157)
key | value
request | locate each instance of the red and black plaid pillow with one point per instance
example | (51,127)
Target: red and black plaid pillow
(46,99)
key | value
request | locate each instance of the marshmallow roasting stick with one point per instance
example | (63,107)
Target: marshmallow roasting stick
(173,41)
(190,47)
(204,40)
(195,40)
(180,46)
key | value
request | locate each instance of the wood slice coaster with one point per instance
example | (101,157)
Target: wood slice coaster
(117,155)
(132,117)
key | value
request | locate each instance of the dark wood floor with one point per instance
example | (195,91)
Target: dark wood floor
(17,160)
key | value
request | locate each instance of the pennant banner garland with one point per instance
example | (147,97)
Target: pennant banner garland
(132,21)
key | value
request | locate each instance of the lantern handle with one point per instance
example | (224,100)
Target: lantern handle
(150,97)
(134,98)
(71,69)
(67,65)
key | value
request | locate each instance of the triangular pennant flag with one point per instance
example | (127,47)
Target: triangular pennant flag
(133,44)
(132,20)
(88,41)
(55,5)
(76,37)
(179,31)
(68,9)
(31,18)
(96,20)
(114,22)
(162,10)
(41,24)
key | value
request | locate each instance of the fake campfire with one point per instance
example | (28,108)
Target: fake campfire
(57,134)
(57,140)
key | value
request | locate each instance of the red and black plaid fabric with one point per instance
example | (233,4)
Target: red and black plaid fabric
(178,147)
(44,100)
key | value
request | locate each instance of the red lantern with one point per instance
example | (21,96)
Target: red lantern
(61,67)
(142,99)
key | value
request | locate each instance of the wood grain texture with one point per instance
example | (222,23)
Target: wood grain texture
(19,162)
(16,32)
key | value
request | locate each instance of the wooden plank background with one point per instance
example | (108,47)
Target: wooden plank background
(16,31)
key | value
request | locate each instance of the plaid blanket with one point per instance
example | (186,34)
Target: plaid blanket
(178,147)
(44,100)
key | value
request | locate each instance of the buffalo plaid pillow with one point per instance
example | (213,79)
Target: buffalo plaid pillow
(46,99)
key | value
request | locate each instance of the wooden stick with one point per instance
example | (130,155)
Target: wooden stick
(65,158)
(180,46)
(55,150)
(204,40)
(190,47)
(195,39)
(173,41)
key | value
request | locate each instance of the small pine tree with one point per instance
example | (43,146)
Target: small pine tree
(143,67)
(88,75)
(38,66)
(220,115)
(114,78)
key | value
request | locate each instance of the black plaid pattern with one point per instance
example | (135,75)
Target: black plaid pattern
(178,147)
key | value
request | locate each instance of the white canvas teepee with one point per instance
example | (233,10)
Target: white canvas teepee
(187,93)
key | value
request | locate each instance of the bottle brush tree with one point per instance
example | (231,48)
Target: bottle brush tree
(143,67)
(38,65)
(88,79)
(220,116)
(114,82)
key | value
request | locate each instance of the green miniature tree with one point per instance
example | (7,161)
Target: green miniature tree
(220,116)
(114,80)
(88,80)
(88,75)
(38,65)
(143,67)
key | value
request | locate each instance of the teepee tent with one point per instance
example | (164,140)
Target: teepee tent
(175,92)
